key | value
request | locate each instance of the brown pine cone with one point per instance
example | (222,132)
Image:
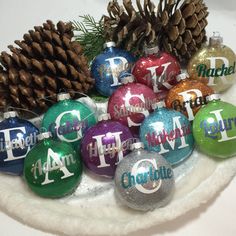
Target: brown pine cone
(178,26)
(46,62)
(183,31)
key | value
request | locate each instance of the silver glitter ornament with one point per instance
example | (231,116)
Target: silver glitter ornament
(144,180)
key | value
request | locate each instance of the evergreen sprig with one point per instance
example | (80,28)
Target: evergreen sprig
(90,34)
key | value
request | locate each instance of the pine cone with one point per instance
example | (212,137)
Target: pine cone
(46,62)
(178,26)
(183,31)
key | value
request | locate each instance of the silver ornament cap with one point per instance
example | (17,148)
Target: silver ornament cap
(10,114)
(216,39)
(182,76)
(63,96)
(213,97)
(44,135)
(127,79)
(105,116)
(151,50)
(158,105)
(135,146)
(144,180)
(109,44)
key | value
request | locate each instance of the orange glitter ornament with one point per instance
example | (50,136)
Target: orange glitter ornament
(188,96)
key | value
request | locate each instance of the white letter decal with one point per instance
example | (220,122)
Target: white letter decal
(55,157)
(134,172)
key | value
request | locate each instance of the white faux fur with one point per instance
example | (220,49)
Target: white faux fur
(94,210)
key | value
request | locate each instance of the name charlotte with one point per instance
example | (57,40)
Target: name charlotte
(128,179)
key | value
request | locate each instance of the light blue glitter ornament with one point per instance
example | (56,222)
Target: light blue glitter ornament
(169,133)
(107,67)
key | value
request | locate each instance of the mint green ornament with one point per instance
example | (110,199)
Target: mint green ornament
(214,128)
(68,120)
(52,168)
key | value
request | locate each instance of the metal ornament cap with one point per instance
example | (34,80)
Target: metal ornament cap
(138,145)
(10,114)
(212,97)
(128,79)
(216,39)
(182,76)
(109,44)
(158,105)
(44,135)
(63,96)
(105,116)
(151,50)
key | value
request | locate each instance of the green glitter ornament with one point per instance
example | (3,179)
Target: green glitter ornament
(214,128)
(68,120)
(52,168)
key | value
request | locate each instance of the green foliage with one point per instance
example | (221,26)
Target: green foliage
(90,34)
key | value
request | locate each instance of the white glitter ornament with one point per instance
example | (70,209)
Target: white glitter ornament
(144,180)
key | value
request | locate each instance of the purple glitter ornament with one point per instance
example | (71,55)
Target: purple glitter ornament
(104,146)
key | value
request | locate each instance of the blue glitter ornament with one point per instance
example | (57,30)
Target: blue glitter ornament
(169,133)
(107,67)
(17,137)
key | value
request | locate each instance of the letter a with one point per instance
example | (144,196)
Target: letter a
(55,157)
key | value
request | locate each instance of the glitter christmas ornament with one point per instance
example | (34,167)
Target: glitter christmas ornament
(169,133)
(144,180)
(214,65)
(104,146)
(17,137)
(188,96)
(131,103)
(52,168)
(158,70)
(214,128)
(68,120)
(107,66)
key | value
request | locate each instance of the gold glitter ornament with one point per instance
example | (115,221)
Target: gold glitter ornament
(214,65)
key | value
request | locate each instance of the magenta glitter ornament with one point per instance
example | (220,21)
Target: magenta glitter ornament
(131,103)
(104,146)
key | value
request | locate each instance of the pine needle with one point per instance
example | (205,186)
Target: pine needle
(90,34)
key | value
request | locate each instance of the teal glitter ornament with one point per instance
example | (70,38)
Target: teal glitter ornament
(169,133)
(52,168)
(68,120)
(214,128)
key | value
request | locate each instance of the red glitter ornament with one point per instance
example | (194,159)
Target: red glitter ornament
(157,70)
